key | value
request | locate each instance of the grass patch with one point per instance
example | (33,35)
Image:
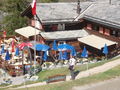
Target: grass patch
(112,73)
(43,75)
(4,86)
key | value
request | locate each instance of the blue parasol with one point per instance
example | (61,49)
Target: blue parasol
(41,47)
(84,53)
(3,50)
(105,49)
(60,56)
(73,52)
(45,56)
(64,47)
(65,55)
(17,52)
(54,47)
(7,57)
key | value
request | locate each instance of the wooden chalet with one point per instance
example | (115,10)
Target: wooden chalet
(58,22)
(67,22)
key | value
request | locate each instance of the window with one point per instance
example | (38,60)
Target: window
(89,26)
(118,34)
(114,33)
(96,28)
(61,26)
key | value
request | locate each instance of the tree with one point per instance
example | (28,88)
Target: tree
(13,9)
(13,19)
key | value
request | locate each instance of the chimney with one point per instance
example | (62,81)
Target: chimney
(109,1)
(78,7)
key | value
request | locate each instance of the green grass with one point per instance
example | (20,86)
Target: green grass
(43,75)
(4,86)
(112,73)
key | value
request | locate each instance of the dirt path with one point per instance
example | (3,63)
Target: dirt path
(86,73)
(113,84)
(99,69)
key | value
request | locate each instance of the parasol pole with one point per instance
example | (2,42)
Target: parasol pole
(106,56)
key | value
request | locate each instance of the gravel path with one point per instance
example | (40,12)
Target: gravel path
(99,69)
(86,73)
(113,84)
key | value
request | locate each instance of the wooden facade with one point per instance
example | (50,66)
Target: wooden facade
(106,32)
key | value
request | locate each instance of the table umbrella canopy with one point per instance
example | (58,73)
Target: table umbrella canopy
(65,55)
(23,44)
(60,56)
(73,52)
(45,56)
(7,56)
(105,49)
(54,47)
(63,47)
(17,52)
(41,47)
(84,53)
(3,50)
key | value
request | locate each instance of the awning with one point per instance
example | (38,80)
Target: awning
(61,35)
(27,31)
(95,41)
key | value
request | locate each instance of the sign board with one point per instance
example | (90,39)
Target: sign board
(56,78)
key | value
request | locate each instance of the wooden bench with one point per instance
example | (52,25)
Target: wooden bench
(56,78)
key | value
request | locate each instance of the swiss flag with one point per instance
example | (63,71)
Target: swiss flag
(33,7)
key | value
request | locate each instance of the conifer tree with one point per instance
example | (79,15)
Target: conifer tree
(13,10)
(13,19)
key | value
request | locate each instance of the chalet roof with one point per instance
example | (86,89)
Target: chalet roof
(56,12)
(98,10)
(104,13)
(61,35)
(106,1)
(51,12)
(27,31)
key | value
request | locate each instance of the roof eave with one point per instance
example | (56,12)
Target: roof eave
(61,39)
(102,22)
(27,12)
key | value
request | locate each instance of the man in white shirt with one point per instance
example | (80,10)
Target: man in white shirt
(72,63)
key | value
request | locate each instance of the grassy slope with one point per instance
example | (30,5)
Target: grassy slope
(43,75)
(92,79)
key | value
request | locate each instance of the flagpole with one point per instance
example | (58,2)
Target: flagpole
(33,5)
(35,45)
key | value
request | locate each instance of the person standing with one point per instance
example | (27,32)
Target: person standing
(72,62)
